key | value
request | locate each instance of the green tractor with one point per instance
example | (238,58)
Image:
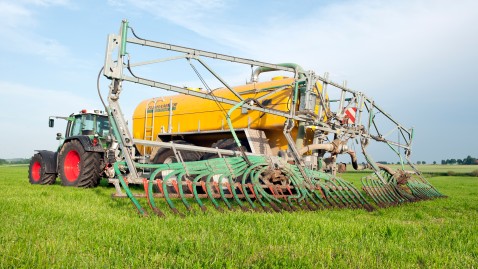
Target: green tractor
(81,158)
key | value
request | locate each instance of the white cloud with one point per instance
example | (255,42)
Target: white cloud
(20,22)
(190,14)
(21,101)
(21,13)
(24,111)
(372,44)
(417,59)
(181,12)
(14,15)
(47,2)
(367,33)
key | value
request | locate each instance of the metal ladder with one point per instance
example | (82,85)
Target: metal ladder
(149,129)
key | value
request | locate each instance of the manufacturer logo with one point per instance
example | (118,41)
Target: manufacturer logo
(161,108)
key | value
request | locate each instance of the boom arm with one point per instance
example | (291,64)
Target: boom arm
(325,121)
(272,180)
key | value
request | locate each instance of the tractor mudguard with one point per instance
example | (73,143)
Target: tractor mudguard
(50,160)
(86,143)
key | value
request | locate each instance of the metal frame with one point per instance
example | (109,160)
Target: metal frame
(307,187)
(305,82)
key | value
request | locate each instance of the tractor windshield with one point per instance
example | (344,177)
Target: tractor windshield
(90,124)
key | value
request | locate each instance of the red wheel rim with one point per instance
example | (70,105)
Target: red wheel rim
(36,171)
(72,165)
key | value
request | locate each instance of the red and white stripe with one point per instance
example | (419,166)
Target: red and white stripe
(350,113)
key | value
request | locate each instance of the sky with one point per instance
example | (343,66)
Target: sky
(417,59)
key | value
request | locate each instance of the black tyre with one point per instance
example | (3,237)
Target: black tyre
(227,143)
(166,155)
(78,167)
(36,171)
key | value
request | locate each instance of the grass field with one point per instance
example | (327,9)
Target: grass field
(431,168)
(54,226)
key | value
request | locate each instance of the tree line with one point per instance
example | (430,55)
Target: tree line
(14,161)
(467,161)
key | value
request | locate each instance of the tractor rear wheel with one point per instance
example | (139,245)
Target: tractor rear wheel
(77,167)
(36,172)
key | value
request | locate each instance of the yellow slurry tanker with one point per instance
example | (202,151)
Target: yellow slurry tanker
(270,144)
(204,123)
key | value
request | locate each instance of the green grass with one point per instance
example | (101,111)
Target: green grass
(431,168)
(55,226)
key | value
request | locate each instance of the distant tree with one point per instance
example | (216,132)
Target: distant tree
(382,162)
(18,161)
(419,162)
(424,162)
(459,161)
(453,161)
(469,160)
(25,161)
(2,161)
(443,162)
(435,162)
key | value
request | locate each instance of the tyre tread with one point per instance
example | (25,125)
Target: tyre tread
(90,166)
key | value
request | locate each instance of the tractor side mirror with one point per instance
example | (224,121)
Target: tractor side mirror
(51,123)
(59,136)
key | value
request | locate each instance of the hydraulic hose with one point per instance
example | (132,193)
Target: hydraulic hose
(327,147)
(98,88)
(298,69)
(353,156)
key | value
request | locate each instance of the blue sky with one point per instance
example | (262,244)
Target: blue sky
(417,59)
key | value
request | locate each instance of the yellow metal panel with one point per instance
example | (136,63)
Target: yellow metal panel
(192,114)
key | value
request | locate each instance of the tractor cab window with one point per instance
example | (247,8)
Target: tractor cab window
(102,126)
(90,124)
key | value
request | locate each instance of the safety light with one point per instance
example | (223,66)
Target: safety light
(95,141)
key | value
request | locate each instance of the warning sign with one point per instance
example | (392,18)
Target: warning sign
(350,115)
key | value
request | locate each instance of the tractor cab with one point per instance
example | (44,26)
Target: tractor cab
(88,123)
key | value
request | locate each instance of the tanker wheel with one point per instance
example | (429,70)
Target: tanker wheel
(226,143)
(166,155)
(77,167)
(229,144)
(36,171)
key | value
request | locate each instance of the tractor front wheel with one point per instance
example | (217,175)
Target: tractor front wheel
(77,167)
(36,171)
